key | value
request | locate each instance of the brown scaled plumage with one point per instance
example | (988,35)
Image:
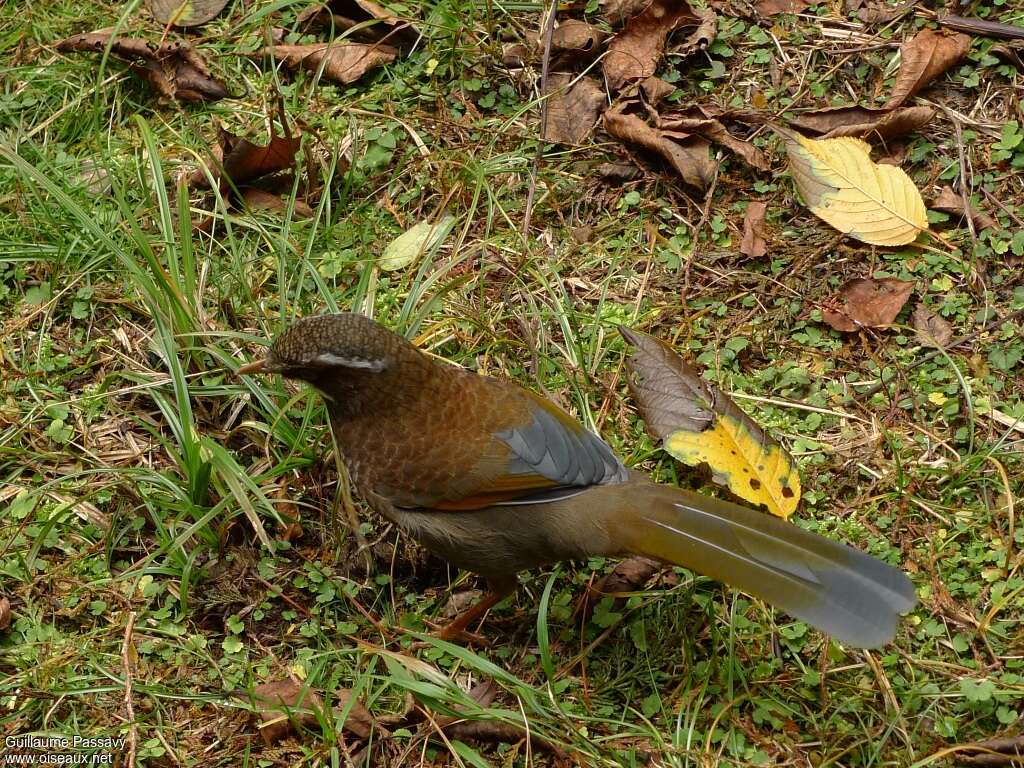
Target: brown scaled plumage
(496,479)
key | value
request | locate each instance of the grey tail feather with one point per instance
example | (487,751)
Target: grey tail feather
(852,596)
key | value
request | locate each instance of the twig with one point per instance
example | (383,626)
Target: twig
(126,666)
(965,183)
(549,31)
(932,355)
(980,27)
(994,752)
(705,214)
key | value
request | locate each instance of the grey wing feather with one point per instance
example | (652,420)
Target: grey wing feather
(571,459)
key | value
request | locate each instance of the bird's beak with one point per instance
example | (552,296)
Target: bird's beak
(256,366)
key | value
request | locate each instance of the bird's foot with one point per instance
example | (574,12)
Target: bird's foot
(456,632)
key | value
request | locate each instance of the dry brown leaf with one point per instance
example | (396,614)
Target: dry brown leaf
(712,130)
(635,52)
(261,200)
(238,161)
(688,154)
(883,13)
(703,36)
(514,55)
(460,602)
(630,575)
(772,7)
(573,108)
(932,330)
(185,13)
(949,201)
(656,90)
(753,243)
(868,303)
(618,172)
(368,21)
(342,62)
(617,11)
(283,702)
(174,70)
(575,42)
(923,58)
(865,121)
(5,613)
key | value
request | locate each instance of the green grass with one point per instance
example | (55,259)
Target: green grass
(139,478)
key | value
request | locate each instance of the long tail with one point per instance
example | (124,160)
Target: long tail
(850,595)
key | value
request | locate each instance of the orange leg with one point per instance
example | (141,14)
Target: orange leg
(458,628)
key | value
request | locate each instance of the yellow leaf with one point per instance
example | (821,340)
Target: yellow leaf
(699,424)
(409,246)
(838,181)
(753,470)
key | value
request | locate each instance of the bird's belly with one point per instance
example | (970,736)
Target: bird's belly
(499,541)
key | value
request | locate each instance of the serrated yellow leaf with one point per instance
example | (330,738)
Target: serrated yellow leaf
(758,472)
(877,204)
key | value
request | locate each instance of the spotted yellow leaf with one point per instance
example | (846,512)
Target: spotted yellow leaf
(698,424)
(754,470)
(877,204)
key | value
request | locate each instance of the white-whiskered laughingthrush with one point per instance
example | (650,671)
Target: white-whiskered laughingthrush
(496,479)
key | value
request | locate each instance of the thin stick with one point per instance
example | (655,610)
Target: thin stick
(126,666)
(549,31)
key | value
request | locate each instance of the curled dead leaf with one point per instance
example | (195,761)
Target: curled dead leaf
(5,613)
(635,52)
(575,42)
(753,243)
(341,62)
(238,161)
(864,121)
(174,70)
(363,20)
(688,154)
(574,105)
(868,303)
(923,58)
(949,201)
(712,130)
(703,36)
(932,329)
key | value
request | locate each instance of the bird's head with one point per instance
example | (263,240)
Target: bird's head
(335,353)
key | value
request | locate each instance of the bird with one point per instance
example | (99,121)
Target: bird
(497,479)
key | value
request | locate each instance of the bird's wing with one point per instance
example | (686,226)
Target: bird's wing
(548,455)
